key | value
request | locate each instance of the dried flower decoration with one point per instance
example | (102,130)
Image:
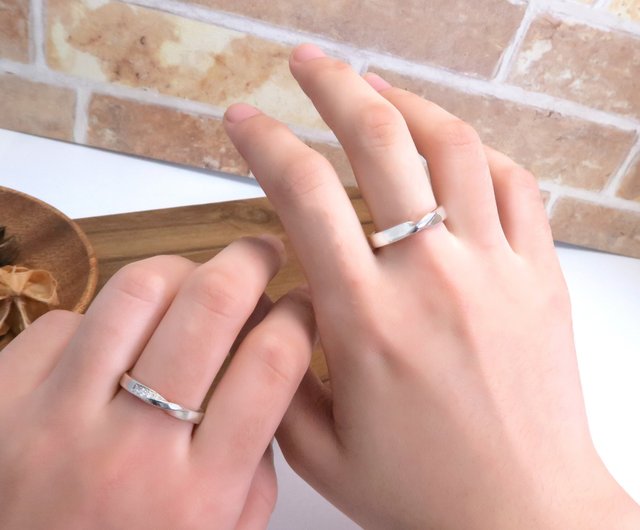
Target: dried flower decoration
(8,248)
(25,295)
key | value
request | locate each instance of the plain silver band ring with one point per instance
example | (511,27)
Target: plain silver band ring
(151,397)
(399,232)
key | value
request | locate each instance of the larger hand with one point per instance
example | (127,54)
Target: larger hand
(455,400)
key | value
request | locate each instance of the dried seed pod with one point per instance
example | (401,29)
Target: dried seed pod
(9,249)
(24,296)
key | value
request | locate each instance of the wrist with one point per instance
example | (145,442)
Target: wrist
(608,507)
(593,501)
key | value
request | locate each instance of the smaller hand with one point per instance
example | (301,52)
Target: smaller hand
(79,452)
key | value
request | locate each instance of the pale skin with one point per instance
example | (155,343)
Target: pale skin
(454,402)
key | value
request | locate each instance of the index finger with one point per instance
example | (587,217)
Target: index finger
(308,196)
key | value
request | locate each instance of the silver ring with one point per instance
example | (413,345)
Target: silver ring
(398,232)
(151,397)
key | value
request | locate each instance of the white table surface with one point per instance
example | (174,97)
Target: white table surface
(605,292)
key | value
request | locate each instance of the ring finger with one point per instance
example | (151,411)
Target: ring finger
(188,347)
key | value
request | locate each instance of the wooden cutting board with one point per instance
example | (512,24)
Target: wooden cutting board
(198,233)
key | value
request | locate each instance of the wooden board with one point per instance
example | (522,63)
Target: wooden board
(198,233)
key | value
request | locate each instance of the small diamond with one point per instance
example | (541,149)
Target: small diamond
(144,392)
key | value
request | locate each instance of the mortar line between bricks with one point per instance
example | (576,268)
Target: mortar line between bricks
(571,11)
(37,32)
(553,198)
(507,61)
(140,95)
(81,123)
(503,91)
(575,13)
(246,25)
(365,67)
(613,186)
(464,82)
(592,196)
(460,81)
(359,64)
(601,4)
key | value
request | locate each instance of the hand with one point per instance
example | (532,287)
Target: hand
(78,452)
(455,399)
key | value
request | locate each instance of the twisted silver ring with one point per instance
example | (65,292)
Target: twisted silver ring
(399,232)
(151,397)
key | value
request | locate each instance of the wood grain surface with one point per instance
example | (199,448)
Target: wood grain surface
(198,233)
(48,239)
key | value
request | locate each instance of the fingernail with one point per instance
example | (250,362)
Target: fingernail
(276,243)
(306,52)
(240,112)
(376,81)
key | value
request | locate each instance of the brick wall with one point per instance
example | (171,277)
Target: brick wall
(553,83)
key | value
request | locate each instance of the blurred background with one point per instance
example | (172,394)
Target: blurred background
(553,83)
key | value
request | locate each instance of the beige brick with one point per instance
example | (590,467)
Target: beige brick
(595,226)
(630,187)
(629,9)
(450,33)
(554,147)
(340,162)
(594,67)
(162,133)
(336,155)
(36,108)
(144,48)
(14,30)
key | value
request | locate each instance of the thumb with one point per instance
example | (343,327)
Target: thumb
(306,435)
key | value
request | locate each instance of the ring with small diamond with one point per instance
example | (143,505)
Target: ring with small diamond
(153,398)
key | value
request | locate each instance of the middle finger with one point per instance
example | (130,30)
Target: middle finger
(375,137)
(191,342)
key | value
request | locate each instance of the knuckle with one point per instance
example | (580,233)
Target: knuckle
(57,319)
(282,367)
(524,176)
(379,125)
(268,496)
(263,251)
(458,133)
(141,281)
(301,299)
(525,182)
(360,307)
(219,292)
(400,94)
(264,489)
(262,126)
(295,455)
(556,299)
(169,261)
(449,282)
(357,282)
(328,66)
(305,173)
(406,99)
